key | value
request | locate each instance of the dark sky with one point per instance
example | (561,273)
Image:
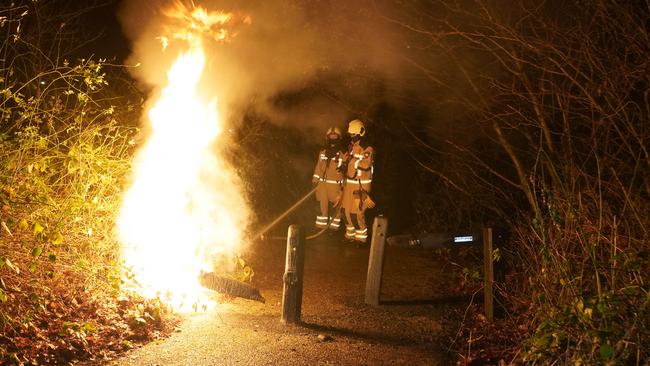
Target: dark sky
(111,43)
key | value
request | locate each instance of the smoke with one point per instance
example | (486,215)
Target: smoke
(310,64)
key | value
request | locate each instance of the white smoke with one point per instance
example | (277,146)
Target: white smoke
(286,47)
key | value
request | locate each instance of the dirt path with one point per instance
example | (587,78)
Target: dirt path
(407,331)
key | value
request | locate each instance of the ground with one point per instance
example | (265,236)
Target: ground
(409,327)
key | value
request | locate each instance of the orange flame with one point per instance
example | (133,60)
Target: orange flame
(189,22)
(184,208)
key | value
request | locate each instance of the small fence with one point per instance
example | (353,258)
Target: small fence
(436,240)
(295,259)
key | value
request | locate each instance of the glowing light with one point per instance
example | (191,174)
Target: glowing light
(463,239)
(184,210)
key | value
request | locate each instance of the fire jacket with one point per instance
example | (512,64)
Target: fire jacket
(328,170)
(358,177)
(328,174)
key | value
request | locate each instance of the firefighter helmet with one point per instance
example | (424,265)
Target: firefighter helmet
(355,127)
(333,133)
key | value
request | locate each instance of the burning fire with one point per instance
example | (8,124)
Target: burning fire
(184,209)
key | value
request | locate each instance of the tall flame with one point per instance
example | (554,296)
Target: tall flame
(184,207)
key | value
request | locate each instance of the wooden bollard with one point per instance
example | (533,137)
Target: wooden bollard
(488,276)
(293,275)
(376,260)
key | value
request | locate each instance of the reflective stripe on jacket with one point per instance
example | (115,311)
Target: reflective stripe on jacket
(328,170)
(360,164)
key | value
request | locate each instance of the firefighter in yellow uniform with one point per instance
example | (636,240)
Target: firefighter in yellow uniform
(358,180)
(328,175)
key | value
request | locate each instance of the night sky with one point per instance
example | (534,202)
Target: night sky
(111,44)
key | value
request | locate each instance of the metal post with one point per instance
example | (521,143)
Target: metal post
(488,279)
(376,260)
(293,275)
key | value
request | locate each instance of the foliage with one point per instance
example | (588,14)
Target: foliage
(65,146)
(562,90)
(599,331)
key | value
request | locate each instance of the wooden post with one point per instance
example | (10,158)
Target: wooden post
(376,260)
(488,271)
(293,275)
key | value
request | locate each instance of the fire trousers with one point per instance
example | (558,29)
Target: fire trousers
(354,205)
(361,232)
(328,195)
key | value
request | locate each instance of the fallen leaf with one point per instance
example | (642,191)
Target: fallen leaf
(325,338)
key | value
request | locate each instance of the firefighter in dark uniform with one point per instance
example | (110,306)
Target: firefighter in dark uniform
(358,181)
(328,175)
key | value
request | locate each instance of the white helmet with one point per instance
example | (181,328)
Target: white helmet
(356,127)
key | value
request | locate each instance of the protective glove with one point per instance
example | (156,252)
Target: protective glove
(368,202)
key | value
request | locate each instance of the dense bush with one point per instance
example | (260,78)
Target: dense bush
(551,135)
(65,147)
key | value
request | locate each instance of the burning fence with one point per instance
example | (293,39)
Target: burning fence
(184,208)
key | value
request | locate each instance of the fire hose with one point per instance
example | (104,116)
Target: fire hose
(260,233)
(240,289)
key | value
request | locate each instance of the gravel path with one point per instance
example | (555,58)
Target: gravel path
(338,328)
